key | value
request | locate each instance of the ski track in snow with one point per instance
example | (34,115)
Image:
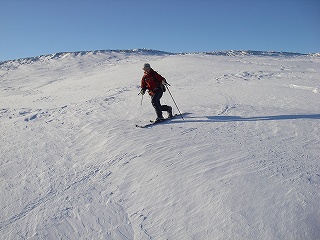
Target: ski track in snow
(243,164)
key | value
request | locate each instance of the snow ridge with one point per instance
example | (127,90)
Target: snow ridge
(144,51)
(61,55)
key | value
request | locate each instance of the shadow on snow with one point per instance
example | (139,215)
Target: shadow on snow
(252,119)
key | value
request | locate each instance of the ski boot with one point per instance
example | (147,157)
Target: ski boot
(159,119)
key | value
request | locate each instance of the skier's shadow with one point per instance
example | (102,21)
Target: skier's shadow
(223,118)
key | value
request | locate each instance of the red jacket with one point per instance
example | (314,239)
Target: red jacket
(151,81)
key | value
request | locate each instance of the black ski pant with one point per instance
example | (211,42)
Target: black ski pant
(155,100)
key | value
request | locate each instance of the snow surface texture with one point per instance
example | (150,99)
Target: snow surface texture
(244,164)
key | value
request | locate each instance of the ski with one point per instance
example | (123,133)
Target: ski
(155,123)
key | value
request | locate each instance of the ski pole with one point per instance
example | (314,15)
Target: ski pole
(141,97)
(174,101)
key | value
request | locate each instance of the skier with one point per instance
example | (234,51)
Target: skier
(155,84)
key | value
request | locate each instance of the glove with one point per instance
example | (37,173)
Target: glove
(164,82)
(142,91)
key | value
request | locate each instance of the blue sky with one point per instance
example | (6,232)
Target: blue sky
(38,27)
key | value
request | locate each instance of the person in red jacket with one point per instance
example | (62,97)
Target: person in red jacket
(155,84)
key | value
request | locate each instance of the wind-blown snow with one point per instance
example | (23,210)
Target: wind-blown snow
(243,164)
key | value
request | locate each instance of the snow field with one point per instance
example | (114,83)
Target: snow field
(244,164)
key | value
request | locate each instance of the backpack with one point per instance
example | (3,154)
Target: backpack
(163,87)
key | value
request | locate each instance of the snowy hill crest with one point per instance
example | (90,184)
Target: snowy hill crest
(154,52)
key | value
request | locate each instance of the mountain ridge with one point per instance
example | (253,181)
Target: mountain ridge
(143,51)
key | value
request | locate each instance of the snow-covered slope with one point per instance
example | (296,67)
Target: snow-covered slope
(243,164)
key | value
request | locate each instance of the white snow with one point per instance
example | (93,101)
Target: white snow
(244,164)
